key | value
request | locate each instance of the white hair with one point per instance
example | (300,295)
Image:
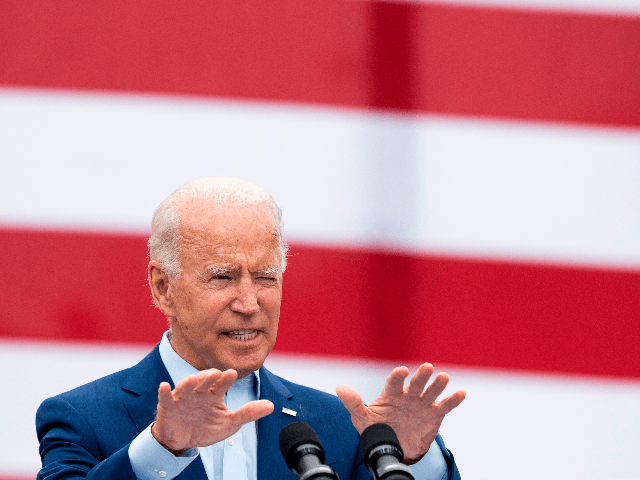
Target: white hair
(164,243)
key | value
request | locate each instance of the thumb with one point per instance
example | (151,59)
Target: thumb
(351,400)
(252,411)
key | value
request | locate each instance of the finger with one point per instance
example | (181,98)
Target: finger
(224,382)
(208,378)
(351,400)
(452,401)
(252,411)
(185,386)
(165,398)
(436,388)
(420,379)
(395,381)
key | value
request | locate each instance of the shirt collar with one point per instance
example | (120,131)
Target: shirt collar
(179,368)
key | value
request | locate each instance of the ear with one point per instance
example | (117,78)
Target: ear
(159,284)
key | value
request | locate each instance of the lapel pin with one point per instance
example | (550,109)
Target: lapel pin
(293,413)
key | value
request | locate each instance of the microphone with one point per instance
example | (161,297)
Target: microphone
(382,453)
(303,453)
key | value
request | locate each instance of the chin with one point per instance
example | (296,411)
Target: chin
(249,365)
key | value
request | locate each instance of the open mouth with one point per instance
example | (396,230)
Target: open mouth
(243,335)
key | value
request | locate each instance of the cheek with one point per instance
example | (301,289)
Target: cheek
(194,305)
(271,300)
(184,297)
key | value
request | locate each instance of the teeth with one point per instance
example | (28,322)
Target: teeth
(243,334)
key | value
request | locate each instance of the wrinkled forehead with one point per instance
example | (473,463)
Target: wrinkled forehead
(225,229)
(201,213)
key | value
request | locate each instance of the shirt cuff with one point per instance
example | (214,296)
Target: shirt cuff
(432,466)
(151,461)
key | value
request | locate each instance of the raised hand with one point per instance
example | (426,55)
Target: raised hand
(410,410)
(194,413)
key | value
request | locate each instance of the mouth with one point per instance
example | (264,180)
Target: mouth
(242,335)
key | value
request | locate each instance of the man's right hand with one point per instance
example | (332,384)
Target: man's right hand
(194,413)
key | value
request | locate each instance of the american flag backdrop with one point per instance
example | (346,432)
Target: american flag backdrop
(460,184)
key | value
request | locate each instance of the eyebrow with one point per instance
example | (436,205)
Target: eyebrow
(269,271)
(216,270)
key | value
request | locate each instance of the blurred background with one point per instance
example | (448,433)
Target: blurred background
(460,184)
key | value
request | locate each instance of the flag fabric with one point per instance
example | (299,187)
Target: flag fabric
(459,185)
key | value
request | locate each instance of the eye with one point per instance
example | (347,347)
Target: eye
(267,279)
(220,277)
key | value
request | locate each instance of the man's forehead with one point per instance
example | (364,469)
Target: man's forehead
(199,217)
(213,232)
(228,239)
(232,254)
(197,211)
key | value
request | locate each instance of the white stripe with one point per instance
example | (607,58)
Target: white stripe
(628,7)
(504,189)
(512,425)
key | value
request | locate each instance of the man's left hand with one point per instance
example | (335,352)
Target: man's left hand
(410,410)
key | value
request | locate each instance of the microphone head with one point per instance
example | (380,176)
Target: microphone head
(376,435)
(295,435)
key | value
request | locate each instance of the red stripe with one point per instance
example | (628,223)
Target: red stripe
(405,56)
(341,302)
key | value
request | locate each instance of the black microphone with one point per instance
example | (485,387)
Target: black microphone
(382,453)
(302,450)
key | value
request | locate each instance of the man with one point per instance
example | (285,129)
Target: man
(201,405)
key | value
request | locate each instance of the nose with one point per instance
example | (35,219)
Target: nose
(246,299)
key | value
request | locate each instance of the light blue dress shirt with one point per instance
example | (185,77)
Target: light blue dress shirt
(236,457)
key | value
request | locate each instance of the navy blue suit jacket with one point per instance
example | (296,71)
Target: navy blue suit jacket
(86,432)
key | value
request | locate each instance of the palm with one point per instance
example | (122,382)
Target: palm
(194,413)
(410,410)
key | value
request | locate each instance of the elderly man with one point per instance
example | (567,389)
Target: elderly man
(201,405)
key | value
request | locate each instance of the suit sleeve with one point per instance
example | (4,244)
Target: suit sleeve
(69,449)
(454,474)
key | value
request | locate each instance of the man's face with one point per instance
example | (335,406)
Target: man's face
(225,304)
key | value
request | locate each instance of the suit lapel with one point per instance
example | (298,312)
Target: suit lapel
(142,383)
(271,465)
